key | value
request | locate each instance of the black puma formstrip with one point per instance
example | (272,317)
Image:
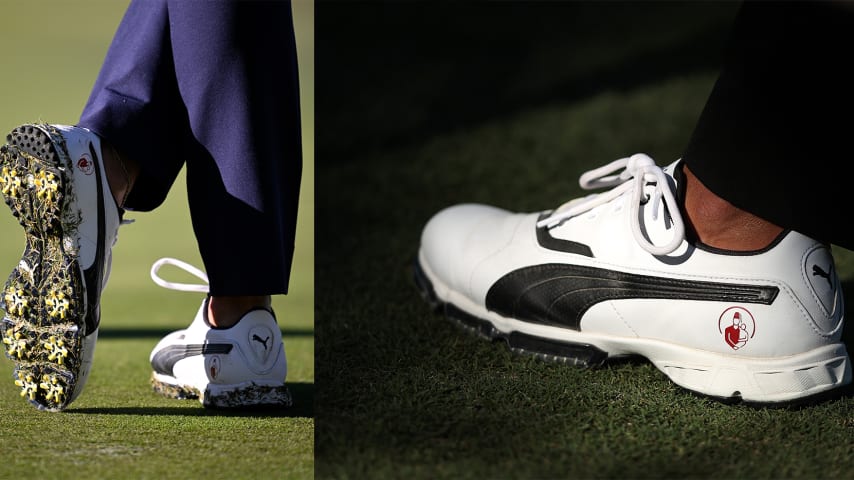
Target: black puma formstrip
(164,360)
(559,294)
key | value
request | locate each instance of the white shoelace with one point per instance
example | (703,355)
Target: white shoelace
(638,170)
(184,287)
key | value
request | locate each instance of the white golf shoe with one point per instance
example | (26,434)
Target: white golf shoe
(612,274)
(240,366)
(52,178)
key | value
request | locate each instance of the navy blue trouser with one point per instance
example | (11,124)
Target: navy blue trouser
(213,84)
(776,131)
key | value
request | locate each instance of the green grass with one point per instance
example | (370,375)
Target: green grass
(406,393)
(119,428)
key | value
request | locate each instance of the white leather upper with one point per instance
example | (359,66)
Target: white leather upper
(85,175)
(469,247)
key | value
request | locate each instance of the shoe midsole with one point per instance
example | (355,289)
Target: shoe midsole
(217,387)
(753,378)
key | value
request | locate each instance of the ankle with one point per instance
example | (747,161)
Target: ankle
(224,312)
(720,224)
(121,172)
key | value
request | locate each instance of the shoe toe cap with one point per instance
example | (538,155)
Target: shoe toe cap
(170,339)
(457,238)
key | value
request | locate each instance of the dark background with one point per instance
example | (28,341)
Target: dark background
(391,73)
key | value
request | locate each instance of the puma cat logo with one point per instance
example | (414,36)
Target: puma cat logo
(262,341)
(816,270)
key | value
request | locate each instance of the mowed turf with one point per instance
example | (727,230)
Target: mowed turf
(508,105)
(119,428)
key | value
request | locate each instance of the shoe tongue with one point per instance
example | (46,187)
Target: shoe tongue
(676,178)
(675,170)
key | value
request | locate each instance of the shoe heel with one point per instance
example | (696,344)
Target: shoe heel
(33,180)
(787,380)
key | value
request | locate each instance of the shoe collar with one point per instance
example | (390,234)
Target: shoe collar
(206,319)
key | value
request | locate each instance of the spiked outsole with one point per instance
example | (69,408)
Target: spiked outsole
(227,396)
(44,295)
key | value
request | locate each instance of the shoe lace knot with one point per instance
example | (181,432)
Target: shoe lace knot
(635,172)
(184,287)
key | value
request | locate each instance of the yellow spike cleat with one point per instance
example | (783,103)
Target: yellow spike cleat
(54,390)
(28,386)
(57,349)
(16,302)
(47,186)
(57,304)
(16,344)
(10,182)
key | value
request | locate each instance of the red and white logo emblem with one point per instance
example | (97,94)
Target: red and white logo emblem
(737,326)
(213,367)
(85,164)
